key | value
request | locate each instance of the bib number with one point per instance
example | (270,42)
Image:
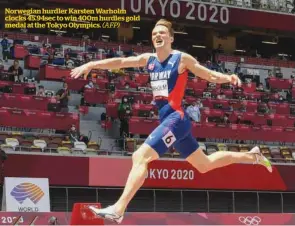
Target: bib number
(160,88)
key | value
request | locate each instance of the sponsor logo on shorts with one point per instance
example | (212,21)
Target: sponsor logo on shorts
(151,137)
(169,139)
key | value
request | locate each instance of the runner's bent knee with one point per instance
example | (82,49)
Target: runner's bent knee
(144,155)
(199,160)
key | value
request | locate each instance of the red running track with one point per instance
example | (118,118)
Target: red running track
(7,218)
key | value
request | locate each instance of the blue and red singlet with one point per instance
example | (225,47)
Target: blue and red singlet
(168,90)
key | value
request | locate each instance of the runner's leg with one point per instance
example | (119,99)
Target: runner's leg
(204,163)
(140,159)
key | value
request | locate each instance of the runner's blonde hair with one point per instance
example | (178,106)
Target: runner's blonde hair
(166,23)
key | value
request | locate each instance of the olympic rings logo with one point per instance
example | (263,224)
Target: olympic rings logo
(250,220)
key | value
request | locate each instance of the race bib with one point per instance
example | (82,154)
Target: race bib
(160,88)
(169,139)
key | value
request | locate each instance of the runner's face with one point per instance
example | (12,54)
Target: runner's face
(161,37)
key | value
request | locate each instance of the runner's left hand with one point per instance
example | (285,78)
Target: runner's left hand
(235,80)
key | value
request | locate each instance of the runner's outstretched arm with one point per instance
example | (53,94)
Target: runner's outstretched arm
(110,64)
(212,76)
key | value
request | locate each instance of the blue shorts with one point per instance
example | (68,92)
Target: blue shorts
(174,131)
